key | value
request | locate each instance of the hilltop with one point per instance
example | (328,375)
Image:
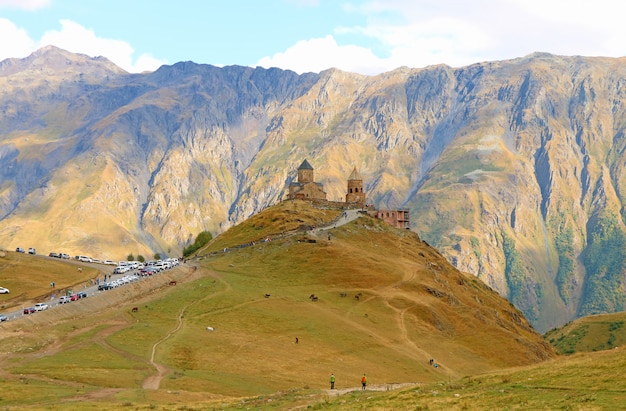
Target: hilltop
(588,334)
(385,303)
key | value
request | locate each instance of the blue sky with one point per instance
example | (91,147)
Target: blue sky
(363,36)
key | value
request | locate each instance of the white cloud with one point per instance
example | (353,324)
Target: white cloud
(29,5)
(419,33)
(21,45)
(320,54)
(77,39)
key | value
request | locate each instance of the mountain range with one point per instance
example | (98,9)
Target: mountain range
(513,170)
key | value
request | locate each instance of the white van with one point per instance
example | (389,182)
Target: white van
(121,269)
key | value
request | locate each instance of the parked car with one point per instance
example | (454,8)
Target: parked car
(148,271)
(29,310)
(65,256)
(32,251)
(74,297)
(104,287)
(121,269)
(55,255)
(41,306)
(3,317)
(82,294)
(64,299)
(19,250)
(4,290)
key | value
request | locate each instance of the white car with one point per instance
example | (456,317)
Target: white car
(41,306)
(4,290)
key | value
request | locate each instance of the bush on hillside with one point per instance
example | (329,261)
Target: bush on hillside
(202,239)
(605,263)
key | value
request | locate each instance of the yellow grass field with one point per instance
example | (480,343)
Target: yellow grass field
(360,298)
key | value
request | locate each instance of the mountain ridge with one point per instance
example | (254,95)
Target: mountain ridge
(513,169)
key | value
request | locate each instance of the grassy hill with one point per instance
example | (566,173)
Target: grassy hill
(386,303)
(29,277)
(592,333)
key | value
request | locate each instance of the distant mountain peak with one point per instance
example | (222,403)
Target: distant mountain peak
(56,60)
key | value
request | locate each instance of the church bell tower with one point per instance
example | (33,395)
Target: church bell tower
(355,194)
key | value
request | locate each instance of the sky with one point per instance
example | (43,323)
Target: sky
(363,36)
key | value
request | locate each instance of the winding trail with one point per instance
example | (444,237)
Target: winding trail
(153,382)
(349,215)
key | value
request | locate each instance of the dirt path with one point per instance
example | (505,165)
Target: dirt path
(348,216)
(378,387)
(153,382)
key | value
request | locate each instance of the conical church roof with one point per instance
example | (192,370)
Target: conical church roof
(305,166)
(355,175)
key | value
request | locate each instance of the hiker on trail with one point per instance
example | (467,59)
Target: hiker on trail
(363,381)
(332,381)
(297,340)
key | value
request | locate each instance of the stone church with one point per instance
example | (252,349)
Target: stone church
(305,188)
(355,194)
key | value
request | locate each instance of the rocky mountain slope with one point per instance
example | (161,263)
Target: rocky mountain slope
(514,169)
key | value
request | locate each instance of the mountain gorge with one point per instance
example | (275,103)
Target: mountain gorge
(513,169)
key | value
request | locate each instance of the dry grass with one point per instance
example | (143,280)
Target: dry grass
(29,277)
(412,306)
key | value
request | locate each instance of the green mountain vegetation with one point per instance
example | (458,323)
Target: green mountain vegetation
(591,333)
(605,263)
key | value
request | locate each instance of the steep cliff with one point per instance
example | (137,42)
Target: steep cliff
(514,170)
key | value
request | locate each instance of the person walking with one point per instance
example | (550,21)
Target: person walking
(363,382)
(332,381)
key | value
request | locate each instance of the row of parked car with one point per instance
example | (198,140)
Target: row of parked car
(35,308)
(143,269)
(30,250)
(59,255)
(74,297)
(63,300)
(147,268)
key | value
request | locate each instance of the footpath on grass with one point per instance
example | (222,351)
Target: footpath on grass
(374,387)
